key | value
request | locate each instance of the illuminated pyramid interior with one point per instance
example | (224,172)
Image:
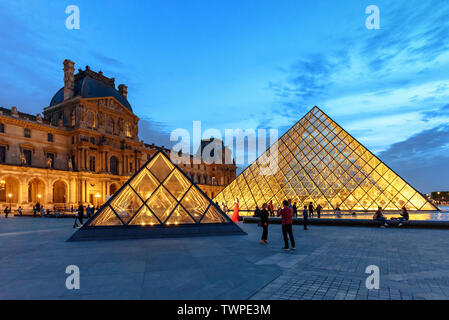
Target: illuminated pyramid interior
(319,162)
(158,201)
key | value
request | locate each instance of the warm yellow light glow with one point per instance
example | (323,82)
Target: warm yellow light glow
(39,196)
(10,195)
(318,162)
(2,182)
(152,195)
(97,195)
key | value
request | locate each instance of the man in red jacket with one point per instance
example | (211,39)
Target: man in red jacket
(287,213)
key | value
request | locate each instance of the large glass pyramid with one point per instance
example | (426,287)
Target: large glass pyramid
(161,199)
(319,162)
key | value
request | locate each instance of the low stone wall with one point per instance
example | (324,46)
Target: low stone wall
(358,222)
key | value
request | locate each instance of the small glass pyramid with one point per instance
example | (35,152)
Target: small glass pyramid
(319,162)
(158,194)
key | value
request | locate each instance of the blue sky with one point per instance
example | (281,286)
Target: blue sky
(251,64)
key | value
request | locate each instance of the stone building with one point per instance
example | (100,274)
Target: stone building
(83,148)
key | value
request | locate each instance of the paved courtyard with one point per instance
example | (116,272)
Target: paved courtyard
(329,264)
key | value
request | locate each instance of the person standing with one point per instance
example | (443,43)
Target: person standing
(264,217)
(318,210)
(287,213)
(19,211)
(305,216)
(295,210)
(38,207)
(88,211)
(6,211)
(311,209)
(235,216)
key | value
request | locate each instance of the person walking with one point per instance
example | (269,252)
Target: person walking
(311,209)
(318,210)
(287,213)
(305,217)
(295,210)
(264,217)
(6,211)
(235,216)
(80,214)
(19,211)
(42,212)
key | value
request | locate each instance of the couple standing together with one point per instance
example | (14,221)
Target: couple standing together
(287,215)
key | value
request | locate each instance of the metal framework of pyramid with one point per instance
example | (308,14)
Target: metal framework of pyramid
(158,201)
(319,162)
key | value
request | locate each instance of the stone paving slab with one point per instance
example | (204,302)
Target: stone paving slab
(329,263)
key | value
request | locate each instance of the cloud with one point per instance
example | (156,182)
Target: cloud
(422,159)
(151,131)
(107,61)
(441,112)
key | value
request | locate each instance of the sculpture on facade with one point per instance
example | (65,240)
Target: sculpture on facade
(69,163)
(23,159)
(49,162)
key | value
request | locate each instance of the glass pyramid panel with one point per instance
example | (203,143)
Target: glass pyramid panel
(126,204)
(162,203)
(319,162)
(145,184)
(160,167)
(180,216)
(107,218)
(144,218)
(195,203)
(213,216)
(177,184)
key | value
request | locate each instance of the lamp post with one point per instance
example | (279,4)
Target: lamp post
(97,195)
(10,201)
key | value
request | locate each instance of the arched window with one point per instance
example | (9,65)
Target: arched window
(9,190)
(59,192)
(36,191)
(113,165)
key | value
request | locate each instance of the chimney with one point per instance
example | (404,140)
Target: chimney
(69,79)
(123,90)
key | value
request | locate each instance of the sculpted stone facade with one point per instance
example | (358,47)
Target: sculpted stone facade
(83,148)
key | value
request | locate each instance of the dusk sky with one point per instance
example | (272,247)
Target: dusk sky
(251,64)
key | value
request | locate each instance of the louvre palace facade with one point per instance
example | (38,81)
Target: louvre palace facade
(82,148)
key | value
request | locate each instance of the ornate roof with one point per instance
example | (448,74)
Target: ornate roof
(91,84)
